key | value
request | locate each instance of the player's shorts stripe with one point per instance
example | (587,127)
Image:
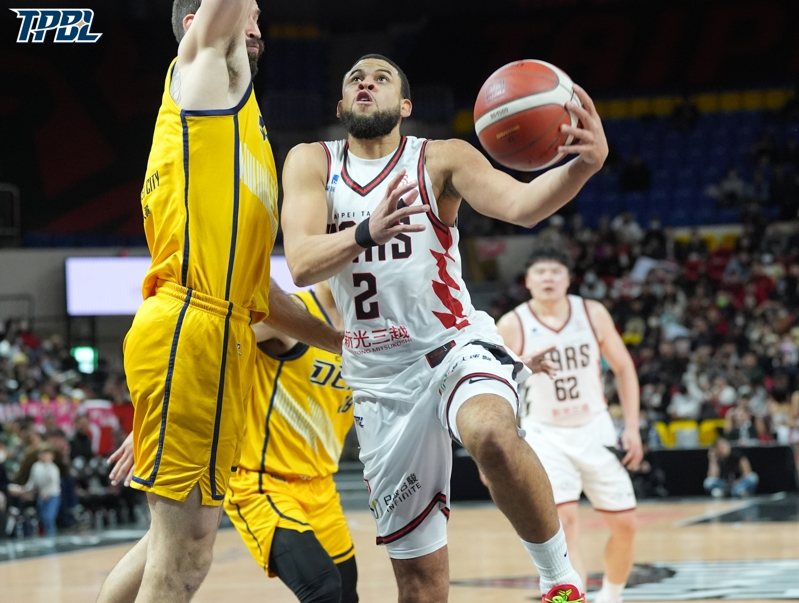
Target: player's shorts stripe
(250,532)
(439,498)
(283,515)
(219,399)
(170,371)
(267,417)
(341,555)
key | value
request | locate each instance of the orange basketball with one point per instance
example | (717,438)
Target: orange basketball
(519,111)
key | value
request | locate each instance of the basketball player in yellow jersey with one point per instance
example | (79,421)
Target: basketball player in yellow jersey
(283,500)
(209,208)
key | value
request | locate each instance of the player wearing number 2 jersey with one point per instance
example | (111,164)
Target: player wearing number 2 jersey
(376,214)
(567,421)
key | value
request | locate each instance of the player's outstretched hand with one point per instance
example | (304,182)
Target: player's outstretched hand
(538,362)
(390,217)
(589,141)
(122,461)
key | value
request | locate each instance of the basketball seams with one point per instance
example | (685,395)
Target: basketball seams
(559,96)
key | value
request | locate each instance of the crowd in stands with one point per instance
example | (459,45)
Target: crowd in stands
(712,325)
(57,425)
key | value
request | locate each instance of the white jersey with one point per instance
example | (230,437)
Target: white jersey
(577,395)
(403,299)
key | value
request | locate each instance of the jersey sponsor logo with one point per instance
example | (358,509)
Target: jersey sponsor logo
(362,341)
(382,505)
(70,25)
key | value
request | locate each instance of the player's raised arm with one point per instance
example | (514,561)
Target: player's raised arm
(497,195)
(216,24)
(218,52)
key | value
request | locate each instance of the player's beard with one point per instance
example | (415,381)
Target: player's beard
(255,56)
(380,123)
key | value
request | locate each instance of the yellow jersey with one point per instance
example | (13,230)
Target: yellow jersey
(209,202)
(300,412)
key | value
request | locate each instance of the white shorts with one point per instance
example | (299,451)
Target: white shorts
(577,460)
(406,445)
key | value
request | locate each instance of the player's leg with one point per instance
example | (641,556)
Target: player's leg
(554,448)
(122,584)
(608,486)
(295,530)
(423,579)
(302,564)
(569,519)
(515,477)
(180,547)
(177,419)
(348,570)
(326,515)
(619,554)
(407,459)
(479,405)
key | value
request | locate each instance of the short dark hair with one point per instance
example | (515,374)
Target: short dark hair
(548,251)
(181,8)
(405,88)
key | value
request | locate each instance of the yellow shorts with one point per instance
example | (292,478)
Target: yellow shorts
(259,503)
(189,362)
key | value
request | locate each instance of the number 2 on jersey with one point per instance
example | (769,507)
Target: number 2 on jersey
(365,309)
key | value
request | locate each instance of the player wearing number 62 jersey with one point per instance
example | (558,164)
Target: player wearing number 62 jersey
(567,421)
(376,214)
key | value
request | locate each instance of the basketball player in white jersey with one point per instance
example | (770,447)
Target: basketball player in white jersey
(567,421)
(376,214)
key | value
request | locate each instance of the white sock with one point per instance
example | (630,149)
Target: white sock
(551,558)
(610,592)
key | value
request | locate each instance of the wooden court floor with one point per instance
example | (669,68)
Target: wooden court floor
(487,561)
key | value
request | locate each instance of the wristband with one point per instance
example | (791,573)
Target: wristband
(362,235)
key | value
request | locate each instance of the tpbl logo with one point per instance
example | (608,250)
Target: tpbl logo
(69,24)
